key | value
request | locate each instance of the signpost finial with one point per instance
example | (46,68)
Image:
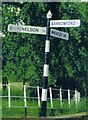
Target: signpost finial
(49,14)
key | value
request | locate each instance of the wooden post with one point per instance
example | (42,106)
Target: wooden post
(69,102)
(9,99)
(38,96)
(61,97)
(51,100)
(25,104)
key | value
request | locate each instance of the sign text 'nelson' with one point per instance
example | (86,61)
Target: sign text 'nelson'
(27,29)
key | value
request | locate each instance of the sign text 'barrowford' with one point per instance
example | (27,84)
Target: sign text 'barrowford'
(64,23)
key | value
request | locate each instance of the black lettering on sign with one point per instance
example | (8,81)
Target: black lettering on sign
(10,27)
(64,23)
(60,34)
(73,22)
(69,23)
(53,32)
(34,30)
(25,28)
(18,28)
(15,28)
(61,23)
(64,35)
(52,23)
(43,30)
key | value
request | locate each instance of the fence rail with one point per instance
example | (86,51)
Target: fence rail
(51,98)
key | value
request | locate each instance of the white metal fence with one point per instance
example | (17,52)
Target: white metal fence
(59,95)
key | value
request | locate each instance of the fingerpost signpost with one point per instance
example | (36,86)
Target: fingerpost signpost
(46,67)
(48,32)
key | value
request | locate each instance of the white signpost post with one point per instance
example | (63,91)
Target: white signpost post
(46,31)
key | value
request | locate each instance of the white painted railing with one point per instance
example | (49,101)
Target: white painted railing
(51,99)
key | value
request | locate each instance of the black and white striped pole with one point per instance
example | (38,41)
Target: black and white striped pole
(46,67)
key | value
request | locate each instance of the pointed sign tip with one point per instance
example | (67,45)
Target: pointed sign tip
(49,14)
(49,11)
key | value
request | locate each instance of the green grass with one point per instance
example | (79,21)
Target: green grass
(19,112)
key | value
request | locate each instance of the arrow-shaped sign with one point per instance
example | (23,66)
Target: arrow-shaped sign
(59,34)
(64,23)
(27,29)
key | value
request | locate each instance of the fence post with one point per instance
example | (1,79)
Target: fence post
(78,96)
(76,102)
(9,99)
(61,97)
(38,96)
(51,97)
(69,102)
(25,104)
